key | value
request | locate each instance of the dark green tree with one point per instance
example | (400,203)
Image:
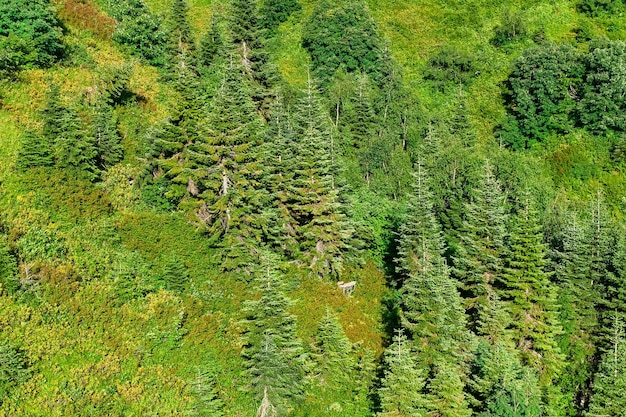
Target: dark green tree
(431,307)
(141,31)
(36,151)
(107,138)
(273,352)
(609,383)
(602,106)
(222,170)
(403,381)
(530,296)
(30,35)
(313,198)
(342,34)
(275,12)
(9,277)
(479,261)
(211,44)
(175,275)
(543,90)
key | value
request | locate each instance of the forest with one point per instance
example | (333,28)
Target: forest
(186,185)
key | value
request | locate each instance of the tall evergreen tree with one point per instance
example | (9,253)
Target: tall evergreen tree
(530,296)
(273,352)
(481,252)
(107,138)
(313,195)
(222,170)
(211,44)
(401,387)
(207,402)
(609,384)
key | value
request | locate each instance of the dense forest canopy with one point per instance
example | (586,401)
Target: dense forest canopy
(312,208)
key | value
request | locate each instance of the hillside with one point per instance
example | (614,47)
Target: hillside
(184,182)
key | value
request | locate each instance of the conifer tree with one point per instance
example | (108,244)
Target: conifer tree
(479,261)
(274,12)
(609,383)
(207,402)
(107,138)
(338,383)
(74,147)
(529,295)
(8,267)
(401,387)
(273,352)
(13,369)
(502,386)
(313,196)
(175,275)
(279,159)
(578,315)
(211,44)
(36,151)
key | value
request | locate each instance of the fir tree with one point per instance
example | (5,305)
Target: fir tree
(609,383)
(274,12)
(207,402)
(403,381)
(107,138)
(222,170)
(529,295)
(273,352)
(431,308)
(74,147)
(312,194)
(211,44)
(479,261)
(36,151)
(13,368)
(8,267)
(175,275)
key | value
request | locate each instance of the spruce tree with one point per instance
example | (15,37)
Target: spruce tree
(175,275)
(207,402)
(313,198)
(9,277)
(222,168)
(36,151)
(481,251)
(273,352)
(578,315)
(211,44)
(609,383)
(108,145)
(530,296)
(403,381)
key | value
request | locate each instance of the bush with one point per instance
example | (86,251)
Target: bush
(30,35)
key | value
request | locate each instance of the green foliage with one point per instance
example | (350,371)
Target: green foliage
(211,44)
(602,105)
(342,34)
(13,368)
(208,402)
(450,69)
(609,383)
(480,257)
(530,296)
(511,28)
(141,31)
(175,275)
(542,94)
(274,354)
(108,149)
(30,35)
(275,12)
(400,393)
(598,7)
(9,277)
